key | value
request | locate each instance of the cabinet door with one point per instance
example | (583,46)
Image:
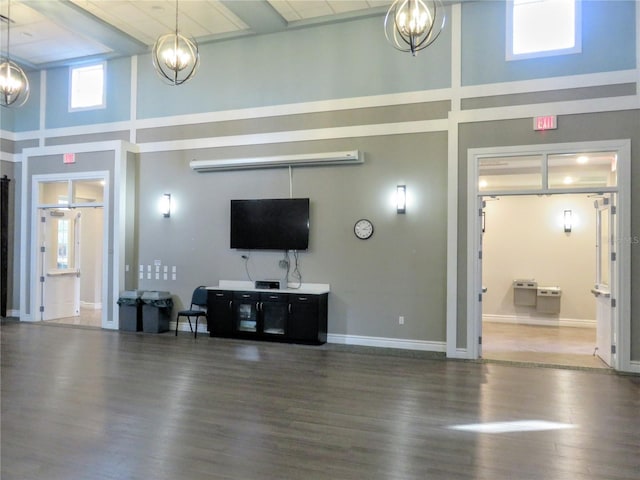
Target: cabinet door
(274,311)
(303,318)
(245,309)
(220,313)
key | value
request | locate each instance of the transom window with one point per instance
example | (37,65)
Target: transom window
(540,28)
(87,87)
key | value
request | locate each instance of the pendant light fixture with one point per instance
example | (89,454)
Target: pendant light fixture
(14,84)
(175,57)
(411,25)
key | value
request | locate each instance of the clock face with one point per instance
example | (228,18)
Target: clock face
(363,229)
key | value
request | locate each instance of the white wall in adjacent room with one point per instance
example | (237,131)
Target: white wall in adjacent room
(525,239)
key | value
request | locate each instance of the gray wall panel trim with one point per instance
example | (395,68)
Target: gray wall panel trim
(94,137)
(15,147)
(22,144)
(361,116)
(603,91)
(7,146)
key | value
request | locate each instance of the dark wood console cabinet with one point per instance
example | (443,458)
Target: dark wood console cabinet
(266,315)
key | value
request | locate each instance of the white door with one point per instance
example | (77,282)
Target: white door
(604,285)
(59,263)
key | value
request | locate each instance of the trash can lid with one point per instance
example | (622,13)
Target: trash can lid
(131,293)
(156,295)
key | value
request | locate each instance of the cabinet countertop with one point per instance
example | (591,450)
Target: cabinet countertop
(305,288)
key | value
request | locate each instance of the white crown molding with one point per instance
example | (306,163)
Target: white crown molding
(298,136)
(550,84)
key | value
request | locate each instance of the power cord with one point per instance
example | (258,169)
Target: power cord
(246,266)
(296,270)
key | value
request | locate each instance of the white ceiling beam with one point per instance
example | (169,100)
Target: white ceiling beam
(73,18)
(259,15)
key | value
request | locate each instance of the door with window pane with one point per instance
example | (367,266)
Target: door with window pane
(59,273)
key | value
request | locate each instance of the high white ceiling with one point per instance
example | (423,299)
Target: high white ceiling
(46,33)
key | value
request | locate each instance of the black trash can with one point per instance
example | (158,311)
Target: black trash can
(156,311)
(130,303)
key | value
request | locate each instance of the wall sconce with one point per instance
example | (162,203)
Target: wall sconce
(165,205)
(568,221)
(401,198)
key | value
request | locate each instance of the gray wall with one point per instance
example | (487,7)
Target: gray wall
(401,270)
(572,128)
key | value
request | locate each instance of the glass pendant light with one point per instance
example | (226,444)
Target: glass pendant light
(14,84)
(175,57)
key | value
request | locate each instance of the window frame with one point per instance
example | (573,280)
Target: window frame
(103,102)
(577,47)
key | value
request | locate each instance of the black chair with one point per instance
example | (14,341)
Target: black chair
(198,299)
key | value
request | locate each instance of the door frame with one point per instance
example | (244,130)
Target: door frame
(120,250)
(34,249)
(621,332)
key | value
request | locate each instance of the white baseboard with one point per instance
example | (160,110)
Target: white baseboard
(91,305)
(381,342)
(13,313)
(545,321)
(384,342)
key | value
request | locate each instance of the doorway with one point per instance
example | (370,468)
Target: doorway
(600,169)
(539,272)
(70,250)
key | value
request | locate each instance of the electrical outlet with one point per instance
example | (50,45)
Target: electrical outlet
(401,320)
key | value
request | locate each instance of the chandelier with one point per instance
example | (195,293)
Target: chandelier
(175,57)
(411,25)
(14,84)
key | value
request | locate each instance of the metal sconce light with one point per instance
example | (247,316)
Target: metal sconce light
(14,84)
(165,205)
(411,25)
(401,198)
(175,57)
(568,221)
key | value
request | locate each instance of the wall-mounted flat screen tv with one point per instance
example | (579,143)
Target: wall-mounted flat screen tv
(270,224)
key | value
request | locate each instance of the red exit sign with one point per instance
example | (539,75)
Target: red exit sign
(548,122)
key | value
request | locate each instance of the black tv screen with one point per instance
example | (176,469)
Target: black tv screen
(270,224)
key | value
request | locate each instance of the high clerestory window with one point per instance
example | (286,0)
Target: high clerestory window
(87,87)
(542,28)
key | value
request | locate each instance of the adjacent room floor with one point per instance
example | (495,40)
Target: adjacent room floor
(87,318)
(565,346)
(91,404)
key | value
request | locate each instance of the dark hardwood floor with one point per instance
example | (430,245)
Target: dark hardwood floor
(88,404)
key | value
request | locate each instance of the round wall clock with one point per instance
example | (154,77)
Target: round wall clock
(363,229)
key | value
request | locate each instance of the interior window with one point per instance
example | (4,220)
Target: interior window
(539,28)
(63,244)
(87,87)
